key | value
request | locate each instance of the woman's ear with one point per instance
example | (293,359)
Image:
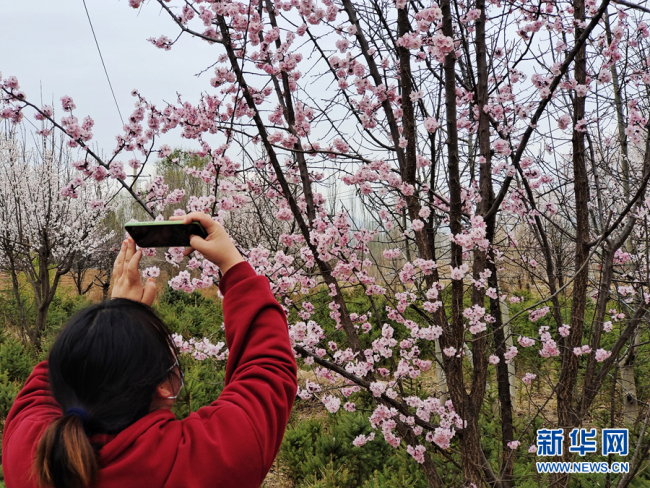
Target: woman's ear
(164,390)
(161,396)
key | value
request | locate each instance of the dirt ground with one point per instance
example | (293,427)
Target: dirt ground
(277,477)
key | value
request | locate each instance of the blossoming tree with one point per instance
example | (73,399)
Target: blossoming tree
(42,232)
(458,125)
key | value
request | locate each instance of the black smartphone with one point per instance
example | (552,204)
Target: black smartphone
(164,233)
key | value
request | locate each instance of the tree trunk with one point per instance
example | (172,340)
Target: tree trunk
(566,408)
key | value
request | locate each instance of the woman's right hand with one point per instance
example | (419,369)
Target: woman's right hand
(127,282)
(217,246)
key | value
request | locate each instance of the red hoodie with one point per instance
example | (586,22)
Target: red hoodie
(231,443)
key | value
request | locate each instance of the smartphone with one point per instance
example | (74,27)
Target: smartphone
(164,233)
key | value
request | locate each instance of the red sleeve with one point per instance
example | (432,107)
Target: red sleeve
(33,410)
(239,435)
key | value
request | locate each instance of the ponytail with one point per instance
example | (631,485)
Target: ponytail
(104,369)
(64,456)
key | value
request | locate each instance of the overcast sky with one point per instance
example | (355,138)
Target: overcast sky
(48,45)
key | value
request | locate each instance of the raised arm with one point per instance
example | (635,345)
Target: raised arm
(239,435)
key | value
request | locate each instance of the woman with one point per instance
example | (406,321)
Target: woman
(103,417)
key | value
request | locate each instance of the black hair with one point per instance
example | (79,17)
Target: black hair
(107,361)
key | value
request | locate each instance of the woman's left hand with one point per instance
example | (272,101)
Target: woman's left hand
(127,282)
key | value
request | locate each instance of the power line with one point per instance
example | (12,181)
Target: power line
(103,64)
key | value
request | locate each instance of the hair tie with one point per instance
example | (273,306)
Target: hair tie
(79,412)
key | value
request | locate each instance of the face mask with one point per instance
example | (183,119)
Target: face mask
(180,372)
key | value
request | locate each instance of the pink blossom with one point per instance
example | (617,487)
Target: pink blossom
(182,281)
(626,290)
(549,349)
(304,394)
(417,453)
(11,83)
(284,213)
(116,170)
(605,76)
(442,45)
(163,42)
(475,314)
(426,265)
(581,90)
(477,328)
(332,403)
(529,378)
(361,440)
(407,275)
(621,257)
(535,315)
(431,124)
(410,40)
(67,103)
(350,390)
(510,354)
(494,359)
(392,253)
(377,388)
(472,15)
(602,354)
(564,121)
(48,111)
(341,146)
(99,174)
(449,351)
(513,444)
(164,151)
(430,333)
(459,273)
(550,207)
(442,437)
(643,29)
(501,147)
(391,438)
(525,341)
(152,272)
